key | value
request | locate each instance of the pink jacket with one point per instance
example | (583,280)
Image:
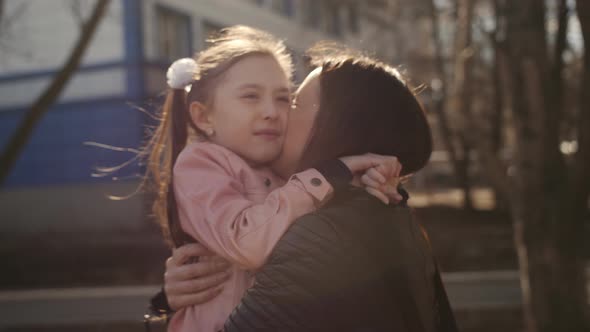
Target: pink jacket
(238,212)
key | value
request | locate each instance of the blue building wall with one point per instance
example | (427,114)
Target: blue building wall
(56,153)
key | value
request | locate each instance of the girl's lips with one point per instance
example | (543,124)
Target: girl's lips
(269,134)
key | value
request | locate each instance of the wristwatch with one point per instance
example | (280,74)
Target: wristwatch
(159,313)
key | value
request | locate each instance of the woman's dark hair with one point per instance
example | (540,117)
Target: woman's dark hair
(365,106)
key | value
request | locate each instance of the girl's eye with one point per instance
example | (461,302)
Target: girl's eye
(250,96)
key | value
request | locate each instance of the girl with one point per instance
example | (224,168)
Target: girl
(214,182)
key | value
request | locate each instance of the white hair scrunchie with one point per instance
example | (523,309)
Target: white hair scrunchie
(181,73)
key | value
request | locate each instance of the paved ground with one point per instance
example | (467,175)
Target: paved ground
(71,306)
(484,301)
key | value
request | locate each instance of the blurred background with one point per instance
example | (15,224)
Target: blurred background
(505,196)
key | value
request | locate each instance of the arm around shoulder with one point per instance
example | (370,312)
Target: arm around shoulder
(214,208)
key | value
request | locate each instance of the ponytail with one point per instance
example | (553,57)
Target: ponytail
(168,141)
(176,102)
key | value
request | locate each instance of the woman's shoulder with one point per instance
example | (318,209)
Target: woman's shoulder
(358,222)
(312,231)
(306,241)
(356,214)
(328,221)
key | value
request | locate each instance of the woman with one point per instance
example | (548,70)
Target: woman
(355,264)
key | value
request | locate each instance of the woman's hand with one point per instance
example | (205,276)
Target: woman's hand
(379,174)
(187,283)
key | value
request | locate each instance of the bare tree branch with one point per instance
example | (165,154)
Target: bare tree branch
(76,9)
(40,106)
(7,19)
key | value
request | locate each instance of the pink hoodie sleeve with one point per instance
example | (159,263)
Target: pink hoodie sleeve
(215,210)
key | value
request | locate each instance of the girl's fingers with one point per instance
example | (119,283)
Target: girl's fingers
(392,193)
(398,169)
(393,182)
(376,175)
(391,167)
(380,190)
(378,194)
(384,169)
(369,182)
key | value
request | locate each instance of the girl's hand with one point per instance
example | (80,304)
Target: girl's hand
(187,283)
(379,174)
(377,184)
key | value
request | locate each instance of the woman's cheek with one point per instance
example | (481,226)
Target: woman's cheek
(294,131)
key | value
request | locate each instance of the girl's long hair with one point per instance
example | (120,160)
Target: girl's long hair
(175,128)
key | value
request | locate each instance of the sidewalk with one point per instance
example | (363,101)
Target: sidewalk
(71,306)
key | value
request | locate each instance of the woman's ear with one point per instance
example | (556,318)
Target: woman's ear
(201,117)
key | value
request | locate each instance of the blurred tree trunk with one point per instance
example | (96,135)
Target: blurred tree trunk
(548,226)
(460,100)
(22,135)
(498,98)
(548,194)
(455,143)
(464,179)
(581,166)
(582,161)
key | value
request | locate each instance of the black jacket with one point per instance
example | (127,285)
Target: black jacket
(354,265)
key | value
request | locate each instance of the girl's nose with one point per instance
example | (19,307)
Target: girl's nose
(270,110)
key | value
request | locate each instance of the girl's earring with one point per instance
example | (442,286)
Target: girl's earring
(210,132)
